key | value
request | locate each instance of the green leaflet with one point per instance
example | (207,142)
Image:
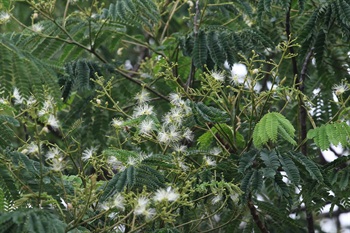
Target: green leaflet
(31,221)
(270,127)
(226,134)
(334,133)
(133,13)
(291,169)
(133,178)
(200,52)
(310,166)
(271,162)
(8,188)
(30,75)
(204,114)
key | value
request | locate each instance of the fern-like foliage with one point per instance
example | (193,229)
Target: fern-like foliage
(134,178)
(9,191)
(78,76)
(29,74)
(134,13)
(270,127)
(330,134)
(212,46)
(255,165)
(205,114)
(7,134)
(31,221)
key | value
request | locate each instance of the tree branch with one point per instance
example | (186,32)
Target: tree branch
(299,84)
(255,215)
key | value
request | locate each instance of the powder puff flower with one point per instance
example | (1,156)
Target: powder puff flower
(146,126)
(4,17)
(53,122)
(17,96)
(31,100)
(144,109)
(175,98)
(52,153)
(238,73)
(169,136)
(209,161)
(174,117)
(166,195)
(32,148)
(118,201)
(149,213)
(142,96)
(340,88)
(180,148)
(141,205)
(47,106)
(188,134)
(88,153)
(215,151)
(37,27)
(218,76)
(117,123)
(57,164)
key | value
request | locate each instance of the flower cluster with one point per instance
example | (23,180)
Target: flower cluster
(142,205)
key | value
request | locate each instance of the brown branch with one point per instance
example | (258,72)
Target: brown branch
(255,215)
(189,81)
(299,84)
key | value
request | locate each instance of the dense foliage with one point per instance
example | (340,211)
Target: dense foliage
(173,116)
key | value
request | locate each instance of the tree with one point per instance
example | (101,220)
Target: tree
(173,116)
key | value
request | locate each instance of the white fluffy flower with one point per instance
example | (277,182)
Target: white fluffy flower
(146,126)
(215,151)
(32,148)
(88,153)
(117,123)
(52,153)
(166,195)
(37,27)
(118,201)
(180,148)
(53,122)
(149,213)
(144,109)
(175,98)
(57,164)
(340,88)
(142,96)
(174,116)
(141,205)
(238,73)
(170,135)
(188,134)
(209,161)
(17,96)
(47,106)
(218,76)
(31,100)
(4,17)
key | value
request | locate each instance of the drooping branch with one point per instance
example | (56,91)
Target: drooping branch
(189,81)
(299,82)
(255,215)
